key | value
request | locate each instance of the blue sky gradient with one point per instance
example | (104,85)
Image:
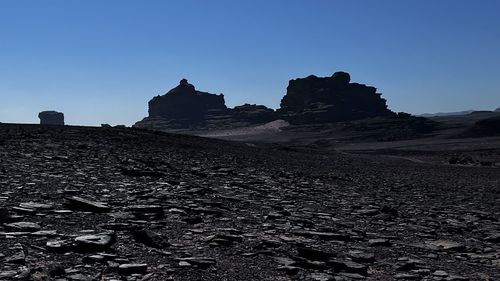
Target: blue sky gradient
(100,61)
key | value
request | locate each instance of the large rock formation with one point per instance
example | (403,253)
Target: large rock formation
(184,107)
(308,100)
(51,118)
(185,102)
(331,99)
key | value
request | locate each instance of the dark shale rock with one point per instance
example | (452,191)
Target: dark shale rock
(133,172)
(60,246)
(81,204)
(132,268)
(94,242)
(314,254)
(237,212)
(493,238)
(150,238)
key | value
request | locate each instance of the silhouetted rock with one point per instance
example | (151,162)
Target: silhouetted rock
(253,113)
(497,110)
(330,99)
(185,102)
(51,118)
(184,107)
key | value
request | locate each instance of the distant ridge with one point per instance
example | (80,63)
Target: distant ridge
(457,113)
(465,112)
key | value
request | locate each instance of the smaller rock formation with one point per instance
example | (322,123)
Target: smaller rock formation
(497,110)
(51,118)
(331,99)
(310,100)
(253,113)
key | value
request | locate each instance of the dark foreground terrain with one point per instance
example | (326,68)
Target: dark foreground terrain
(120,204)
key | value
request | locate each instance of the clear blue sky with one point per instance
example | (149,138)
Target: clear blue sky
(100,61)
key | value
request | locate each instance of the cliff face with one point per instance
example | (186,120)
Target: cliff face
(331,99)
(185,102)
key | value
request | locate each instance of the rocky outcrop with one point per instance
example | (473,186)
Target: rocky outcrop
(185,102)
(330,99)
(184,107)
(253,113)
(310,100)
(51,118)
(497,110)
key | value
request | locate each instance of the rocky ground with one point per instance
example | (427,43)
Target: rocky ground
(121,204)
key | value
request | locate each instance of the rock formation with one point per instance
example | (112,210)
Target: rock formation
(185,102)
(51,118)
(308,100)
(331,99)
(253,113)
(184,107)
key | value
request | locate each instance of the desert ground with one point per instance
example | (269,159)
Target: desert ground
(82,203)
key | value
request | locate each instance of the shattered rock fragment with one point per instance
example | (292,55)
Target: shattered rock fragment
(150,238)
(23,226)
(94,242)
(78,203)
(132,268)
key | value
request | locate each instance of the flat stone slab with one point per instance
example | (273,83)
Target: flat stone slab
(36,206)
(82,204)
(94,242)
(23,226)
(445,245)
(132,268)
